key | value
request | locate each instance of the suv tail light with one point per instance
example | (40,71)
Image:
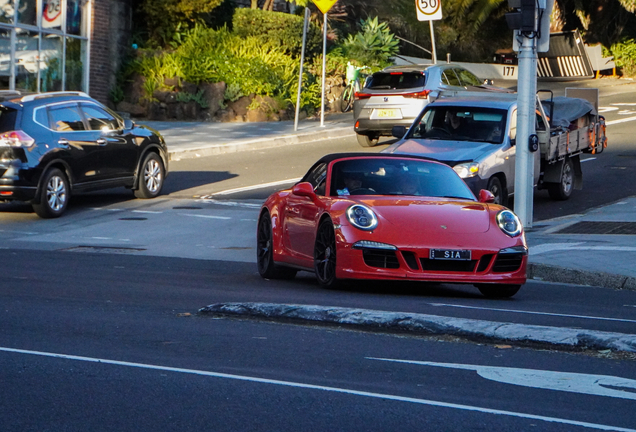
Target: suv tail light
(16,139)
(418,95)
(359,95)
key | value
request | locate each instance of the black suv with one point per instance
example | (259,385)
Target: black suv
(56,144)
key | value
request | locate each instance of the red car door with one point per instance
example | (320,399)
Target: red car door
(299,226)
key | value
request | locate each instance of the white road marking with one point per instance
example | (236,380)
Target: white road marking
(205,216)
(532,312)
(229,203)
(551,247)
(588,159)
(18,232)
(101,238)
(623,104)
(156,212)
(259,186)
(596,385)
(620,121)
(323,388)
(607,109)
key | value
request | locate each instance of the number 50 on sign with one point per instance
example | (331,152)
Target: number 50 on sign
(428,10)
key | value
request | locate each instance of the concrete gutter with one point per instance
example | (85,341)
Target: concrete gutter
(401,322)
(553,273)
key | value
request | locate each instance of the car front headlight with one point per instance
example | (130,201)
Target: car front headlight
(509,223)
(466,170)
(362,217)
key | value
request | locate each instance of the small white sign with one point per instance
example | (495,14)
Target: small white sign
(428,10)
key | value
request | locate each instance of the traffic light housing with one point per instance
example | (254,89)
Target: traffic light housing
(525,18)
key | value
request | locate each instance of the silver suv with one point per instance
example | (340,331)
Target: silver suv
(396,95)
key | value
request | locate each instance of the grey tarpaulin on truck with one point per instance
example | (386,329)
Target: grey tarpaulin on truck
(568,109)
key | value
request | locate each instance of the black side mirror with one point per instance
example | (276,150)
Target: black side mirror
(398,131)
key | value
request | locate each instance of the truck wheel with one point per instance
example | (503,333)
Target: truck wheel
(562,190)
(367,140)
(494,186)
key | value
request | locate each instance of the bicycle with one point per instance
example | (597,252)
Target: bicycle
(353,86)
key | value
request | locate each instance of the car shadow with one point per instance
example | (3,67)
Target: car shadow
(175,182)
(395,288)
(178,181)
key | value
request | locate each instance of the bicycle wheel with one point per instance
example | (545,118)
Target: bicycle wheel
(347,98)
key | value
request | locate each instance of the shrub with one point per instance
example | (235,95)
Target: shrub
(374,45)
(625,56)
(279,28)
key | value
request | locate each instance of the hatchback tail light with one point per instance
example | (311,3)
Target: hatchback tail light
(16,139)
(418,95)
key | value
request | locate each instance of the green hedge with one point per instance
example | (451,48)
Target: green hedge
(280,28)
(247,64)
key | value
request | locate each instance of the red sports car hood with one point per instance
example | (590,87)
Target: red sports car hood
(433,214)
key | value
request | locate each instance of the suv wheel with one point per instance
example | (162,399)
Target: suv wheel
(367,140)
(151,177)
(54,195)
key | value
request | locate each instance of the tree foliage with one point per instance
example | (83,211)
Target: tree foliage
(373,44)
(164,18)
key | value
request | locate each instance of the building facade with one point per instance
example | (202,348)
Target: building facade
(55,45)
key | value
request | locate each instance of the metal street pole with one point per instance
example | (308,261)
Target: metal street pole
(324,67)
(300,74)
(526,106)
(433,50)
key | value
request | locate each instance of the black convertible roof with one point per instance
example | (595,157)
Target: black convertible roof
(335,156)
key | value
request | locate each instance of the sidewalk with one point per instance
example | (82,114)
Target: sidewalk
(196,139)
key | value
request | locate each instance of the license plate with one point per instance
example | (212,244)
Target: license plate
(448,254)
(387,113)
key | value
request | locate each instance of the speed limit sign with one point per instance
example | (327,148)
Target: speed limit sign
(428,10)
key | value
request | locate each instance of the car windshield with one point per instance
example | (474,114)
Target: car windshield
(461,124)
(395,80)
(396,176)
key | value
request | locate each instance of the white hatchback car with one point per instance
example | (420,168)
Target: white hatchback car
(396,95)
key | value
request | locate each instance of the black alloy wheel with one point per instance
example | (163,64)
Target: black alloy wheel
(325,255)
(54,195)
(498,290)
(265,254)
(151,177)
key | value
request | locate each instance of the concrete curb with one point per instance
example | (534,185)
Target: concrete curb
(260,143)
(551,273)
(430,325)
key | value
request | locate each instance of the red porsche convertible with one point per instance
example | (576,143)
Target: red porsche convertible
(390,217)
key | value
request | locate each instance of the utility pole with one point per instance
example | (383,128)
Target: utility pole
(531,25)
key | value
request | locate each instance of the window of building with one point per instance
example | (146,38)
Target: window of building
(44,45)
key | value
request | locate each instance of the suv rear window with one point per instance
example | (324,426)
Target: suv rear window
(7,119)
(396,80)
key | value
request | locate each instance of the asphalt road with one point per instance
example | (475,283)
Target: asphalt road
(118,347)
